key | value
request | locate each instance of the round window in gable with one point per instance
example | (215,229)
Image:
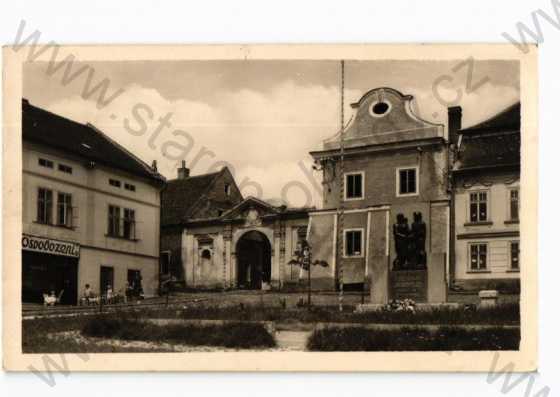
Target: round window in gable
(380,109)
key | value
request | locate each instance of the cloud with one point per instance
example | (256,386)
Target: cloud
(263,135)
(479,104)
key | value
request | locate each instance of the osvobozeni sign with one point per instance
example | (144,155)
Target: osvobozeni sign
(50,246)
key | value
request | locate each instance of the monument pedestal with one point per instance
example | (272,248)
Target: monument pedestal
(422,286)
(409,284)
(379,280)
(437,287)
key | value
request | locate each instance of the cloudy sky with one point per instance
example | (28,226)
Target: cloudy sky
(261,117)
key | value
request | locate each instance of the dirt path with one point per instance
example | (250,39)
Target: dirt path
(292,340)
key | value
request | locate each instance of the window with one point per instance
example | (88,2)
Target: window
(353,243)
(299,235)
(65,168)
(130,187)
(129,224)
(124,227)
(407,181)
(114,182)
(478,207)
(46,163)
(114,221)
(44,206)
(380,109)
(354,189)
(514,205)
(514,255)
(479,255)
(64,209)
(227,189)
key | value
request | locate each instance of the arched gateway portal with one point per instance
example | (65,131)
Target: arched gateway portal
(253,260)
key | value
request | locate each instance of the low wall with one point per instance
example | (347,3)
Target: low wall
(511,286)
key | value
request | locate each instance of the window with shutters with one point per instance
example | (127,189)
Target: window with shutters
(129,224)
(45,206)
(114,221)
(64,210)
(122,223)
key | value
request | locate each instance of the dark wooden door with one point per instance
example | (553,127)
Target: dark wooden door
(106,278)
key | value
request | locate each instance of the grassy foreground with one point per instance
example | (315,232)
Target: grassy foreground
(43,335)
(414,339)
(85,333)
(232,335)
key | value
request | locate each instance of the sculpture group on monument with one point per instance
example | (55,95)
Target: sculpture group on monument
(410,243)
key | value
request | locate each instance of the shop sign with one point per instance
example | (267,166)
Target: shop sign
(50,246)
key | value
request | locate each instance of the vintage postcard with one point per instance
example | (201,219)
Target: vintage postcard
(270,207)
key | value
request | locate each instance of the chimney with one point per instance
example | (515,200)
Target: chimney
(454,115)
(154,165)
(183,172)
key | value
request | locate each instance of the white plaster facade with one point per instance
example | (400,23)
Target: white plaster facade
(91,196)
(497,233)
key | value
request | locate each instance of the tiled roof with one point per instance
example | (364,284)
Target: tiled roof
(83,140)
(495,142)
(180,195)
(507,120)
(490,151)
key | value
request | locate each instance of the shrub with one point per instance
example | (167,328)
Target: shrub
(231,335)
(414,339)
(499,315)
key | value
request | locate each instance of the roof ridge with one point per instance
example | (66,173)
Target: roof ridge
(194,176)
(89,128)
(128,152)
(26,101)
(188,213)
(480,124)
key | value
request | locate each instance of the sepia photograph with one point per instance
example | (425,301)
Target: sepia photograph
(274,204)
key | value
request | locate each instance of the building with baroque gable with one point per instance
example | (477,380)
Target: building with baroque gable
(387,225)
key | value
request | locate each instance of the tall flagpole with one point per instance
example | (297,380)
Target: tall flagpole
(340,230)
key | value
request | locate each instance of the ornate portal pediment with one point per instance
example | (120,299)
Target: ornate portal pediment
(251,211)
(252,217)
